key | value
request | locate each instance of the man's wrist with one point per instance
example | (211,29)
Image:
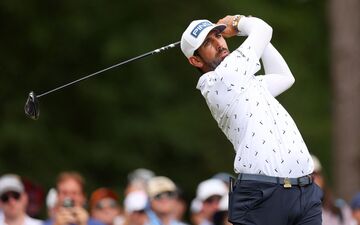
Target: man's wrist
(235,23)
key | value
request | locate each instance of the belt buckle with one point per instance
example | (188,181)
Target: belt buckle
(287,183)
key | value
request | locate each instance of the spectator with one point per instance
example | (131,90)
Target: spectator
(135,204)
(209,193)
(162,194)
(13,202)
(195,211)
(355,207)
(221,216)
(69,208)
(335,211)
(137,180)
(104,207)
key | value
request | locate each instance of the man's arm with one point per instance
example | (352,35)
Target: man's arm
(278,76)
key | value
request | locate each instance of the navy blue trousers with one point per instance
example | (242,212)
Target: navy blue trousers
(259,203)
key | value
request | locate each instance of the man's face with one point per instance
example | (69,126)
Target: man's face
(163,203)
(211,205)
(106,210)
(70,188)
(13,203)
(212,52)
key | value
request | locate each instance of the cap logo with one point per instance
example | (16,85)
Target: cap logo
(200,27)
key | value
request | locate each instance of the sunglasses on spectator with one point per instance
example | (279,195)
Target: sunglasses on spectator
(106,203)
(167,194)
(11,194)
(213,199)
(139,211)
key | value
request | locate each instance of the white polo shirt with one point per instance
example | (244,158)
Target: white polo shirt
(264,135)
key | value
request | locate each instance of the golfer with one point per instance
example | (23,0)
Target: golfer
(274,186)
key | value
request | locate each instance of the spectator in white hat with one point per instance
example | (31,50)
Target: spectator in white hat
(162,194)
(209,193)
(221,217)
(13,202)
(135,204)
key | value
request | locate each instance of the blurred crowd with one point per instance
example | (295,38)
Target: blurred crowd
(148,199)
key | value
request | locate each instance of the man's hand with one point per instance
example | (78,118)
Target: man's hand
(74,215)
(230,30)
(64,216)
(81,215)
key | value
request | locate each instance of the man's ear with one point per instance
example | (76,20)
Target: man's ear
(196,61)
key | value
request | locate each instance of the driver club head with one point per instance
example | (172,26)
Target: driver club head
(32,106)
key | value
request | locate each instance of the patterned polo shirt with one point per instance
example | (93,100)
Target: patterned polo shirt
(265,137)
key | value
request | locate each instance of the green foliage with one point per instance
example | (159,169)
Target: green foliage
(148,113)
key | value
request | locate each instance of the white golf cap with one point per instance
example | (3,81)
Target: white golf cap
(195,34)
(211,187)
(135,201)
(10,182)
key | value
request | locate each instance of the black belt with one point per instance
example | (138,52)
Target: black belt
(286,182)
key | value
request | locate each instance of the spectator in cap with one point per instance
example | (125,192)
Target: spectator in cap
(355,207)
(221,216)
(162,194)
(137,180)
(335,211)
(69,207)
(105,208)
(209,193)
(135,204)
(195,209)
(13,202)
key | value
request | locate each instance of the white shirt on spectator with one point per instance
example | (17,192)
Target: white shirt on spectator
(27,221)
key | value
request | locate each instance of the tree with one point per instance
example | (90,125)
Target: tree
(345,67)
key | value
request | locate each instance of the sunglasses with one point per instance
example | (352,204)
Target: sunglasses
(167,194)
(213,199)
(106,204)
(138,211)
(11,194)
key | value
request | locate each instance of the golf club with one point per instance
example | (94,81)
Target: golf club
(32,109)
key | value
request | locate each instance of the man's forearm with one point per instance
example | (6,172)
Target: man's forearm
(259,33)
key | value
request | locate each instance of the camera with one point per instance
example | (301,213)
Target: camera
(68,203)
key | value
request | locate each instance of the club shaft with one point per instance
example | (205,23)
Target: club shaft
(111,67)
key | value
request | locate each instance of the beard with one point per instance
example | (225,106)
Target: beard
(212,64)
